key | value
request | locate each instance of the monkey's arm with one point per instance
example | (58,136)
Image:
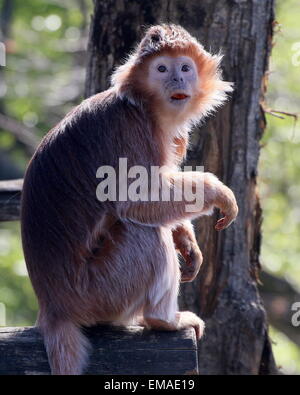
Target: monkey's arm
(186,243)
(156,213)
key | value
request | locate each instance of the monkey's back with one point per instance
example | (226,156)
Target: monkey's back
(59,206)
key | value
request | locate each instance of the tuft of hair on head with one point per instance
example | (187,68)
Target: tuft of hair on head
(174,40)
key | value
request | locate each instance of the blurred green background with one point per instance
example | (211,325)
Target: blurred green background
(44,77)
(279,168)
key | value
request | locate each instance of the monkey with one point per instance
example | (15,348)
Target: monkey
(115,261)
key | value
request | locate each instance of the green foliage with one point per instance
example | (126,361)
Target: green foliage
(45,71)
(280,159)
(280,168)
(15,289)
(287,354)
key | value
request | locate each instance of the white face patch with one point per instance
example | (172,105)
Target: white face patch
(175,79)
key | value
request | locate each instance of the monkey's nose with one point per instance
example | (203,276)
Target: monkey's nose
(177,79)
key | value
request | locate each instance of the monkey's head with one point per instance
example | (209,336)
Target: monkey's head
(171,72)
(173,80)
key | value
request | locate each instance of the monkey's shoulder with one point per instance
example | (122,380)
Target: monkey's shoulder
(97,124)
(103,112)
(109,104)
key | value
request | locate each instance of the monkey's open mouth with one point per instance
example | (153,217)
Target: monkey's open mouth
(179,96)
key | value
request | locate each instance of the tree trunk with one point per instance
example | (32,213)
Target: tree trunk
(225,293)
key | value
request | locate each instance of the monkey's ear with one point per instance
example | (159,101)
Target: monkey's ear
(155,33)
(156,37)
(152,42)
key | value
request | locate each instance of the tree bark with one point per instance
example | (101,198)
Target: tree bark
(225,293)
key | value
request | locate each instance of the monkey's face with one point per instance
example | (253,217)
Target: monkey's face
(174,80)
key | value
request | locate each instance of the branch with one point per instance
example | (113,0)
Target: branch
(10,200)
(275,113)
(26,136)
(278,296)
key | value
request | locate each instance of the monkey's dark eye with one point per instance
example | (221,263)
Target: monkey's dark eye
(162,69)
(185,68)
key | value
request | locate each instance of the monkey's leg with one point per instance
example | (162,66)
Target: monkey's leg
(112,287)
(186,243)
(161,311)
(122,271)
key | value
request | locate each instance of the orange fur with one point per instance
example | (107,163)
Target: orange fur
(181,147)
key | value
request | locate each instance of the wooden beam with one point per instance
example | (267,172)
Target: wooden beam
(10,199)
(115,350)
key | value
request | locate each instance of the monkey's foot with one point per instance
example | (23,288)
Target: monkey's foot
(183,320)
(188,319)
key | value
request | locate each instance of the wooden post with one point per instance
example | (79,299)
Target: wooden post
(115,350)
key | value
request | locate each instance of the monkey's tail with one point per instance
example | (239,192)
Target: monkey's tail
(67,348)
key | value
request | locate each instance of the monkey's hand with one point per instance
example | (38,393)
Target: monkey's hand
(226,202)
(186,243)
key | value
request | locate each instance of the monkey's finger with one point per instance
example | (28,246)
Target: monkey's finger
(188,277)
(188,273)
(220,224)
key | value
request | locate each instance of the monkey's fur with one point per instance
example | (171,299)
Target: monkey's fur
(97,262)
